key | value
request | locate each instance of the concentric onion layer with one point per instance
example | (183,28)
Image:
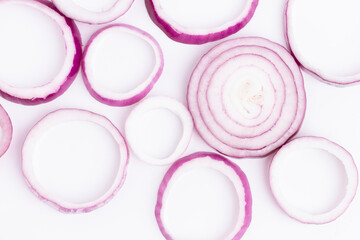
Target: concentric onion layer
(218,163)
(334,149)
(66,75)
(179,33)
(247,97)
(113,98)
(30,146)
(6,131)
(73,10)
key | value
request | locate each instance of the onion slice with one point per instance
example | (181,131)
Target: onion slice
(30,146)
(66,75)
(179,33)
(73,10)
(315,46)
(154,103)
(216,162)
(247,97)
(6,131)
(115,98)
(310,143)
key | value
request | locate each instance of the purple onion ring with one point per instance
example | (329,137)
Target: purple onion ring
(58,117)
(6,131)
(72,10)
(114,98)
(304,143)
(182,34)
(224,166)
(66,75)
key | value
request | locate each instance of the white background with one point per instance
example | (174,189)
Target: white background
(332,112)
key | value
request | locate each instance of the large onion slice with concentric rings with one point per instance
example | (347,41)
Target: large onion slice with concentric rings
(65,76)
(200,34)
(247,97)
(6,130)
(216,162)
(55,120)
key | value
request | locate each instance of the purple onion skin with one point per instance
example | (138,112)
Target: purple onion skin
(72,75)
(128,101)
(177,36)
(215,157)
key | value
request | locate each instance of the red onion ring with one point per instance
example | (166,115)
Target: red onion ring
(157,103)
(247,97)
(306,62)
(224,166)
(181,34)
(58,117)
(57,86)
(113,98)
(319,143)
(6,131)
(76,12)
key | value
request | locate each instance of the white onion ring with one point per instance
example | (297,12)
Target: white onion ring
(159,103)
(306,62)
(76,12)
(113,98)
(66,75)
(247,97)
(224,166)
(182,34)
(319,143)
(6,131)
(58,117)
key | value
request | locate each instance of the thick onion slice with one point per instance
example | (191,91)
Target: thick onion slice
(41,128)
(73,10)
(154,103)
(334,149)
(179,33)
(216,162)
(113,98)
(66,75)
(6,131)
(247,97)
(315,46)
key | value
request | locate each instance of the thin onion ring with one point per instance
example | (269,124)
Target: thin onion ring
(36,133)
(6,131)
(181,34)
(67,74)
(76,12)
(134,95)
(319,143)
(159,103)
(224,166)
